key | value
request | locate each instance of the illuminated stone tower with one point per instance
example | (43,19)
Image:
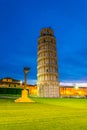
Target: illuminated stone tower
(47,77)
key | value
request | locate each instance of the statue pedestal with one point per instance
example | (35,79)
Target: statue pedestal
(24,97)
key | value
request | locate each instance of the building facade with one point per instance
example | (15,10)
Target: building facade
(71,91)
(8,85)
(47,76)
(9,82)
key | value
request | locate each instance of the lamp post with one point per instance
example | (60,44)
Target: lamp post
(24,97)
(26,70)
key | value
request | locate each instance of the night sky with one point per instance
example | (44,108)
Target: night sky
(20,25)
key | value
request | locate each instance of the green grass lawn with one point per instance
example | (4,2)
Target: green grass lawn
(44,114)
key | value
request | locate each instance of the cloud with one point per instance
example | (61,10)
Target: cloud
(32,81)
(74,84)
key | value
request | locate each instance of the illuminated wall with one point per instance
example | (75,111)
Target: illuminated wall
(32,89)
(65,91)
(72,91)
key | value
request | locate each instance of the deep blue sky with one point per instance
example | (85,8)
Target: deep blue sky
(20,24)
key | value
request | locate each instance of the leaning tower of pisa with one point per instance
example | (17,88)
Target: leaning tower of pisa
(47,68)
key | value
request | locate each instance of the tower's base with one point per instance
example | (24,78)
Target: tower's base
(24,97)
(48,90)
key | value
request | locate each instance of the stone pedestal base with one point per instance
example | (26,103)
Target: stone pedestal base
(24,97)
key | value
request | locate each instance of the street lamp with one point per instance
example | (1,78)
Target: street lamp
(26,70)
(24,97)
